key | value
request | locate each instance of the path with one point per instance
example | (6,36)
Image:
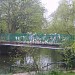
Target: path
(31,73)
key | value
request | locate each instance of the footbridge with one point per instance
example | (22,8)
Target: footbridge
(51,41)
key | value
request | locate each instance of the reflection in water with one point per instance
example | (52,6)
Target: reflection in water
(29,60)
(45,57)
(42,58)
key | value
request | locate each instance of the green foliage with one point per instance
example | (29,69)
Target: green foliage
(63,18)
(68,57)
(21,16)
(73,45)
(56,73)
(3,27)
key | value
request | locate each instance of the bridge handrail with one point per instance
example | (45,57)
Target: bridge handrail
(36,38)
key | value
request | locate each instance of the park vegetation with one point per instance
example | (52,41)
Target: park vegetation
(23,16)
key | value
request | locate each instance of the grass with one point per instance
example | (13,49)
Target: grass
(67,74)
(7,74)
(57,73)
(50,73)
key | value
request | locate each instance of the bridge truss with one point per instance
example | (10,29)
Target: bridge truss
(51,41)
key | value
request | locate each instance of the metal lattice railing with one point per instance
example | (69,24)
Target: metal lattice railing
(36,38)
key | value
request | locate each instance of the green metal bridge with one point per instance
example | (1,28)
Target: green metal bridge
(52,41)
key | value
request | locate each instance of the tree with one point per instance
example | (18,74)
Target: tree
(22,15)
(63,18)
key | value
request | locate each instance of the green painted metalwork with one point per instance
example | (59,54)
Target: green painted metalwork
(36,38)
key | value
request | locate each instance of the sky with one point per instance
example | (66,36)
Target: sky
(50,5)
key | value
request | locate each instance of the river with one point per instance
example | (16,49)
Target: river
(41,57)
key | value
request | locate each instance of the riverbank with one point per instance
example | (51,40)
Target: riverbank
(27,73)
(49,73)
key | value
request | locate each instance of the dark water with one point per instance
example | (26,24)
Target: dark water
(40,56)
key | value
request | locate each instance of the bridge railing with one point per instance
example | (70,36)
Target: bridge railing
(36,38)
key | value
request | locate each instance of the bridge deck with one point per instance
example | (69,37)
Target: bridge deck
(39,45)
(52,41)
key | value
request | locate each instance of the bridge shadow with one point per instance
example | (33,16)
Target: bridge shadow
(7,54)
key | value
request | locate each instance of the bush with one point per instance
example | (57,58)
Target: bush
(68,57)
